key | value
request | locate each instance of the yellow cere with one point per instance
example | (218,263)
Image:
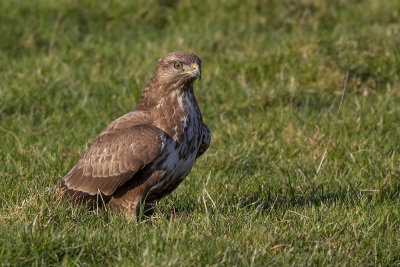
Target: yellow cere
(194,66)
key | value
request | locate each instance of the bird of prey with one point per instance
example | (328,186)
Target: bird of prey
(145,154)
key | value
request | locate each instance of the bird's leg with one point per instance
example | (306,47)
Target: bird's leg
(128,199)
(132,208)
(128,203)
(149,207)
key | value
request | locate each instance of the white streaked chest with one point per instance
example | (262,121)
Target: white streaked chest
(179,154)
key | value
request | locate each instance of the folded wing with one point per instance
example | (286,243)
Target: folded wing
(113,159)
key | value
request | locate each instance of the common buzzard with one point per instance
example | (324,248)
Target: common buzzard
(145,154)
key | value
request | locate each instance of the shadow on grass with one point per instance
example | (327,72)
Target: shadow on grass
(265,201)
(319,196)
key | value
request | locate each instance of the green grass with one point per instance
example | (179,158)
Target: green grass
(273,77)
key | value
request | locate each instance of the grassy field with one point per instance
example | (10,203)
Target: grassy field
(291,177)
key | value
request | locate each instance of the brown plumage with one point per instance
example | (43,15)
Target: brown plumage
(145,154)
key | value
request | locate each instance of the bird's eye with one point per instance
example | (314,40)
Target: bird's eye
(178,65)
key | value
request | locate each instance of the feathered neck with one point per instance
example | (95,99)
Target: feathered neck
(170,109)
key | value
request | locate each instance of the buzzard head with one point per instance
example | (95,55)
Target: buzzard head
(175,72)
(178,70)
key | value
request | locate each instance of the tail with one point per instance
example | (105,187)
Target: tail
(73,195)
(78,197)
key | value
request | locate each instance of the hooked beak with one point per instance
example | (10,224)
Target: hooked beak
(194,72)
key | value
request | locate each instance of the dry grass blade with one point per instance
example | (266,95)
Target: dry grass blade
(333,126)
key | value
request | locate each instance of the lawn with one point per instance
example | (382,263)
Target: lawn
(295,174)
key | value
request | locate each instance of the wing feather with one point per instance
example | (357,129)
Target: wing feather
(114,158)
(205,142)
